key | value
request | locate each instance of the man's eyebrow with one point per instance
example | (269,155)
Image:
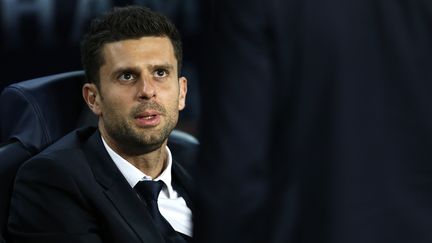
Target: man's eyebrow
(161,66)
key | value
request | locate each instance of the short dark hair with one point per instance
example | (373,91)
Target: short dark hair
(123,23)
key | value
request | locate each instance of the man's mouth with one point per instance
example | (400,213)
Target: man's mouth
(148,119)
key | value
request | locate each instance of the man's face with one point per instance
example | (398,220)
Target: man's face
(140,94)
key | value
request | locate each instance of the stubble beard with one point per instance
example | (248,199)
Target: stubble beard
(134,140)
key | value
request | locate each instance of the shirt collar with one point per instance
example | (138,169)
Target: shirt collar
(133,175)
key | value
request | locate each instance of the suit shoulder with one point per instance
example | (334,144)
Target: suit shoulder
(64,155)
(72,140)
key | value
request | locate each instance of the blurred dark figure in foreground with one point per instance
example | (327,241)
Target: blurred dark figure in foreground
(317,122)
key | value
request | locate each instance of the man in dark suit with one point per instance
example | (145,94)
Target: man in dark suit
(102,184)
(317,122)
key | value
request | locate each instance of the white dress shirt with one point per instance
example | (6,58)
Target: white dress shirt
(171,205)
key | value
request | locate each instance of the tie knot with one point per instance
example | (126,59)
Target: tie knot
(149,189)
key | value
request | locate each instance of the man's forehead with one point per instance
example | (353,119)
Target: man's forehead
(142,42)
(151,48)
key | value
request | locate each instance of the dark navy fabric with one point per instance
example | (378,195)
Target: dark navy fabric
(317,122)
(12,155)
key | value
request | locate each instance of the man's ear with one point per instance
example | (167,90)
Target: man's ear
(92,97)
(182,93)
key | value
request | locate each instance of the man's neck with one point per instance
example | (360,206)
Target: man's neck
(150,163)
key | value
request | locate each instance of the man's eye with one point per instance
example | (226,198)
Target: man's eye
(126,76)
(160,73)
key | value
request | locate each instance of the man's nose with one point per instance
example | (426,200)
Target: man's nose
(147,89)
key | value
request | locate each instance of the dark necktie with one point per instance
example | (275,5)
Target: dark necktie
(149,192)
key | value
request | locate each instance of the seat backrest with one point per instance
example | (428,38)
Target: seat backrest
(184,148)
(39,111)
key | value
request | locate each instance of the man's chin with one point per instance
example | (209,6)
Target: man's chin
(139,145)
(151,138)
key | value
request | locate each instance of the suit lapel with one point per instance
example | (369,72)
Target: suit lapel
(119,192)
(133,212)
(182,183)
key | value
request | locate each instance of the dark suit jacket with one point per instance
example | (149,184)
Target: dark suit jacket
(317,122)
(73,192)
